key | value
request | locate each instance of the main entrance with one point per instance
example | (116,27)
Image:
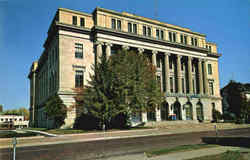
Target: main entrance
(164,111)
(177,110)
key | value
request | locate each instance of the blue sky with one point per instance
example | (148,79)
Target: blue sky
(24,25)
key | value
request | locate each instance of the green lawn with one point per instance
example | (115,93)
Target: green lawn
(11,134)
(178,149)
(229,155)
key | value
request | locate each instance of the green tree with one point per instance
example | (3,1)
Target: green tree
(1,108)
(56,110)
(125,83)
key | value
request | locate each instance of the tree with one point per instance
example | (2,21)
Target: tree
(125,83)
(56,110)
(1,108)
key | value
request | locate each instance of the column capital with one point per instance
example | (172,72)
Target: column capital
(154,52)
(140,50)
(108,44)
(125,47)
(179,56)
(190,58)
(204,60)
(200,60)
(167,54)
(98,43)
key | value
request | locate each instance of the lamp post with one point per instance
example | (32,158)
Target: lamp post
(14,142)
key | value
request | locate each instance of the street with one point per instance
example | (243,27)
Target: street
(110,148)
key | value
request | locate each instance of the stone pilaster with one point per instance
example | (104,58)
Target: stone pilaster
(154,58)
(140,50)
(205,77)
(179,74)
(144,117)
(158,114)
(98,51)
(190,82)
(108,49)
(200,76)
(167,72)
(125,47)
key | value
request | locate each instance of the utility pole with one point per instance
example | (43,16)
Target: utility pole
(14,142)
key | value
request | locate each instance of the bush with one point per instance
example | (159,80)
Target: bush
(120,121)
(216,115)
(228,116)
(87,122)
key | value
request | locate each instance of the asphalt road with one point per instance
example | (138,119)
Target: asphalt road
(110,148)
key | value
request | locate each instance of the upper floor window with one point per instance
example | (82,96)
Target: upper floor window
(159,34)
(113,24)
(149,32)
(74,20)
(158,63)
(183,39)
(194,41)
(78,78)
(116,24)
(82,22)
(172,36)
(119,25)
(171,85)
(78,50)
(132,28)
(144,30)
(135,28)
(209,67)
(211,88)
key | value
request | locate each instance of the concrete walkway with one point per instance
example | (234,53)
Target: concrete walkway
(181,155)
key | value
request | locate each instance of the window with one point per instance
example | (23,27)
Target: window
(211,88)
(182,39)
(82,22)
(135,28)
(193,86)
(144,30)
(116,24)
(159,34)
(74,21)
(171,85)
(78,50)
(113,24)
(20,119)
(170,63)
(1,119)
(185,39)
(149,31)
(195,42)
(158,63)
(209,66)
(130,27)
(183,85)
(119,25)
(159,80)
(78,78)
(172,36)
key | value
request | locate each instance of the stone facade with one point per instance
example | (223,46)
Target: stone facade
(187,65)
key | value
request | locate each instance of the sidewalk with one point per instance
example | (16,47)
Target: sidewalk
(181,155)
(162,129)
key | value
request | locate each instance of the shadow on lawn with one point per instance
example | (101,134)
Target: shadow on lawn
(228,141)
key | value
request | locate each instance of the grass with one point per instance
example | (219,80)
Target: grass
(178,149)
(11,134)
(229,155)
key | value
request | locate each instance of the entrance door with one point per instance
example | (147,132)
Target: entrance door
(177,110)
(189,112)
(164,111)
(199,111)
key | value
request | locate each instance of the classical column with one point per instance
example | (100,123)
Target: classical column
(140,50)
(179,73)
(205,78)
(108,50)
(154,58)
(125,47)
(98,51)
(190,82)
(194,112)
(144,116)
(200,76)
(166,58)
(158,114)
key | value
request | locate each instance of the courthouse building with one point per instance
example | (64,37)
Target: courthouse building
(187,64)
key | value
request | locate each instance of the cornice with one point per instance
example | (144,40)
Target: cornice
(98,29)
(148,20)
